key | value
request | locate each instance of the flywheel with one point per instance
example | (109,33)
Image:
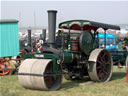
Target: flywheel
(86,42)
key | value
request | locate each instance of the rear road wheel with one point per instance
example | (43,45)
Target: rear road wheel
(100,67)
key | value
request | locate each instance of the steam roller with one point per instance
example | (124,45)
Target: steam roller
(73,52)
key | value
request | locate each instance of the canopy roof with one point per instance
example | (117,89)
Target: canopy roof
(8,20)
(86,25)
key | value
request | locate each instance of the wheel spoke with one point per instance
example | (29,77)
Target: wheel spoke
(104,71)
(104,55)
(46,78)
(99,72)
(98,67)
(101,58)
(107,63)
(99,61)
(101,76)
(49,80)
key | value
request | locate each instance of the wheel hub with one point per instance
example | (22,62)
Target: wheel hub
(103,64)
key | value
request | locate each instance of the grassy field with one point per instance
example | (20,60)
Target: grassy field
(9,86)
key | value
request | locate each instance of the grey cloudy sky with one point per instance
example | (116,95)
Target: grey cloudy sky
(111,12)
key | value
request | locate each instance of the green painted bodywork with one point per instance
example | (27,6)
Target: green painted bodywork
(119,56)
(29,56)
(54,58)
(67,58)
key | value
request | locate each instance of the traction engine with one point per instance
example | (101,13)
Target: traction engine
(72,51)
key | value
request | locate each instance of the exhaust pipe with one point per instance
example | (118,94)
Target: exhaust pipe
(51,27)
(44,34)
(29,37)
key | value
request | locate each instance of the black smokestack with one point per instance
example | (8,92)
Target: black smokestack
(51,26)
(44,34)
(29,37)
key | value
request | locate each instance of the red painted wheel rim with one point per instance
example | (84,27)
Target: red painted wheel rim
(4,67)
